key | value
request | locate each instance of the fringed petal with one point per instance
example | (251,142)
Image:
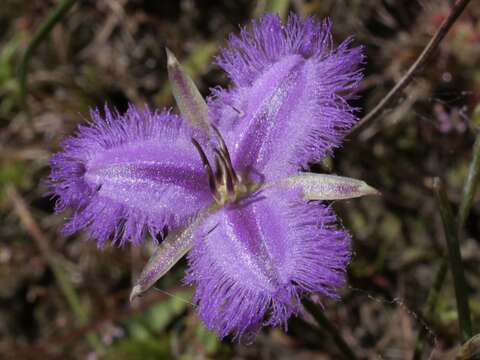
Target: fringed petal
(129,175)
(252,262)
(269,41)
(289,102)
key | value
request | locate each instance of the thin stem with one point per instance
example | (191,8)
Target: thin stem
(42,32)
(425,56)
(470,185)
(432,301)
(61,277)
(455,259)
(323,322)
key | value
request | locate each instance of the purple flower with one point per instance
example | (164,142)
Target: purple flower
(226,181)
(129,175)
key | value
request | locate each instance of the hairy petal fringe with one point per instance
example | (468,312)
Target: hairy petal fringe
(253,262)
(268,41)
(288,105)
(128,175)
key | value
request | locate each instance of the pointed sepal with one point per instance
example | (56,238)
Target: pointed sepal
(328,187)
(167,254)
(190,102)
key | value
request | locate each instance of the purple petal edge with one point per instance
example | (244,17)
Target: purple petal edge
(252,263)
(288,105)
(128,175)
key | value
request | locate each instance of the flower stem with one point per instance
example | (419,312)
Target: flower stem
(330,328)
(470,185)
(423,58)
(455,259)
(43,31)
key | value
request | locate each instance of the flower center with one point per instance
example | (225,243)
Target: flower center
(226,185)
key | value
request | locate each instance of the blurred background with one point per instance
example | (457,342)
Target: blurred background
(62,298)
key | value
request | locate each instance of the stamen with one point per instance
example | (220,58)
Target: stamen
(224,183)
(218,172)
(208,169)
(226,154)
(228,167)
(227,177)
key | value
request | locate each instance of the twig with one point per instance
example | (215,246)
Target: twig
(43,31)
(425,56)
(330,328)
(470,185)
(68,290)
(455,259)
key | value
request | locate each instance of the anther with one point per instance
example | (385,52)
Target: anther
(226,154)
(228,168)
(226,173)
(208,169)
(218,171)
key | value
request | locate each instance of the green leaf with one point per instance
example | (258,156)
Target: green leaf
(159,316)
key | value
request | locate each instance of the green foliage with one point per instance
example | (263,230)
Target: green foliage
(476,112)
(279,7)
(9,89)
(148,334)
(149,348)
(13,173)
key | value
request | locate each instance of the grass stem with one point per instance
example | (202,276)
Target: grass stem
(470,186)
(42,32)
(455,260)
(323,322)
(432,301)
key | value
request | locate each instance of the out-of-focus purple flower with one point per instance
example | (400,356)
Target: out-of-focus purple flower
(447,122)
(226,181)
